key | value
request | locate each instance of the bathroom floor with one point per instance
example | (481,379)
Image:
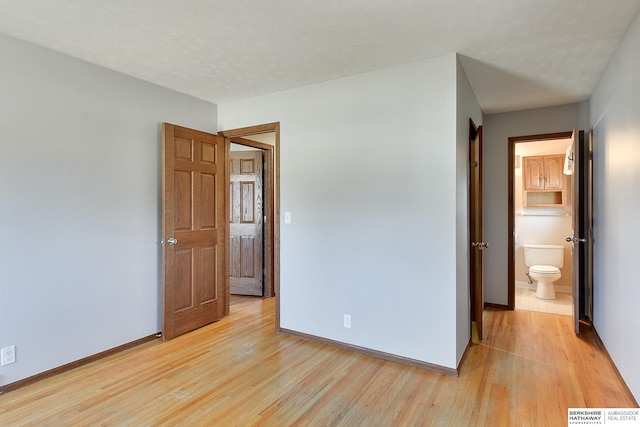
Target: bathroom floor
(526,300)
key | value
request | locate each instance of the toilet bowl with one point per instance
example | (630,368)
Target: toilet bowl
(544,262)
(545,275)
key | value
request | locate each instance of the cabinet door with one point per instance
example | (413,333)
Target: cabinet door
(553,168)
(533,173)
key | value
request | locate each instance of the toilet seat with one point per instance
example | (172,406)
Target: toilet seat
(544,269)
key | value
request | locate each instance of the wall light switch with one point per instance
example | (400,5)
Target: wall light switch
(287,217)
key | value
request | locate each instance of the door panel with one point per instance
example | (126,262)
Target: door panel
(477,245)
(533,173)
(576,251)
(246,227)
(193,228)
(588,194)
(553,176)
(582,230)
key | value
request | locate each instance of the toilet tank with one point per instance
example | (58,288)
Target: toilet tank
(543,255)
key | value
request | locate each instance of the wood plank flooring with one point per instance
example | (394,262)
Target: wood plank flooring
(238,372)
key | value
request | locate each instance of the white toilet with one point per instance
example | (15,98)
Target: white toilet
(544,262)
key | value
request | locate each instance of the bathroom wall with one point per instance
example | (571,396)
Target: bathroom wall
(542,225)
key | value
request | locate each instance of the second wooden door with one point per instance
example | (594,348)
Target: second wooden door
(246,228)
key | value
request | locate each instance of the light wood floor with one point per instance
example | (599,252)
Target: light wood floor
(238,372)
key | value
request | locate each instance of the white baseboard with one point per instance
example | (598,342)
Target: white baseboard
(525,285)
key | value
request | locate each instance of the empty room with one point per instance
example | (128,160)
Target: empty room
(315,213)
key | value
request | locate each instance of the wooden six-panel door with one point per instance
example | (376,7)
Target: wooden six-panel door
(477,245)
(246,223)
(582,238)
(193,229)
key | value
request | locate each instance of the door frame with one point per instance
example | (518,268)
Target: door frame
(271,205)
(511,265)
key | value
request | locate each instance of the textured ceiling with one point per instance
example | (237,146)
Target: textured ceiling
(517,53)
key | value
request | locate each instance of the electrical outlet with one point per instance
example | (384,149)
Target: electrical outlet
(8,355)
(347,321)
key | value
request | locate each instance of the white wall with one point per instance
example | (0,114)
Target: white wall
(368,171)
(467,107)
(239,147)
(543,225)
(497,130)
(80,205)
(615,118)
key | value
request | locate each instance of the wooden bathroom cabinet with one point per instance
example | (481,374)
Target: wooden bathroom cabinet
(543,180)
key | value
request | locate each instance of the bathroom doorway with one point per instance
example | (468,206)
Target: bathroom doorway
(541,205)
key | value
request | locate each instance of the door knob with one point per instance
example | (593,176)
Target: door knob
(575,240)
(480,245)
(171,241)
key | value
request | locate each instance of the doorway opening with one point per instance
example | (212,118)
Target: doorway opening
(247,221)
(263,139)
(541,206)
